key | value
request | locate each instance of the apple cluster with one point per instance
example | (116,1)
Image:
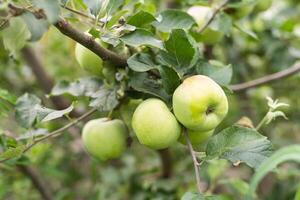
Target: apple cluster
(199,105)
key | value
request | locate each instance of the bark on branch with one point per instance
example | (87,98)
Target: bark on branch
(65,28)
(266,79)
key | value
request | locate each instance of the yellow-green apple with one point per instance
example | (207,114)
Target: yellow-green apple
(199,103)
(201,14)
(154,125)
(88,60)
(198,138)
(262,5)
(104,138)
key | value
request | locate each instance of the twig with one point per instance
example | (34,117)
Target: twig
(37,181)
(195,161)
(65,28)
(55,133)
(214,14)
(266,79)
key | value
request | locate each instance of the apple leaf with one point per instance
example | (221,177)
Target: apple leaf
(170,78)
(141,37)
(6,96)
(173,19)
(33,133)
(182,51)
(104,99)
(93,6)
(289,153)
(216,70)
(12,152)
(141,18)
(239,144)
(50,8)
(140,62)
(37,27)
(29,111)
(143,82)
(81,87)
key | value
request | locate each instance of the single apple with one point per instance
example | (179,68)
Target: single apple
(104,138)
(262,5)
(199,103)
(154,125)
(88,60)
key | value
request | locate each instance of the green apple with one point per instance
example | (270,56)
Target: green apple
(199,103)
(154,125)
(262,5)
(197,138)
(104,138)
(88,60)
(201,15)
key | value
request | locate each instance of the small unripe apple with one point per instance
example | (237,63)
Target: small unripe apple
(199,103)
(88,60)
(197,138)
(104,138)
(263,5)
(154,125)
(201,14)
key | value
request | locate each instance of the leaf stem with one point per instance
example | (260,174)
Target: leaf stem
(195,161)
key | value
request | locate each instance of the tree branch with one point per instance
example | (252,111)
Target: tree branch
(65,28)
(214,14)
(55,133)
(195,161)
(37,181)
(266,79)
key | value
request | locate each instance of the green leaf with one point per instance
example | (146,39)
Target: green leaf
(94,6)
(216,70)
(239,144)
(12,152)
(141,18)
(37,27)
(51,9)
(141,37)
(33,133)
(5,95)
(182,52)
(170,78)
(15,35)
(173,19)
(104,99)
(112,6)
(26,111)
(289,153)
(81,87)
(246,30)
(54,114)
(143,82)
(140,62)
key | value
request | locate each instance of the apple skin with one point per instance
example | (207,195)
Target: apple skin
(154,125)
(88,60)
(199,103)
(263,5)
(200,15)
(198,138)
(104,139)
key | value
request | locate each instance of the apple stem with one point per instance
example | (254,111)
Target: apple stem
(195,161)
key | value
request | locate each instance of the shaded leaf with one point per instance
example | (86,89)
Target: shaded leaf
(289,153)
(94,6)
(141,18)
(197,196)
(182,52)
(141,37)
(170,78)
(12,152)
(140,62)
(5,95)
(239,144)
(104,99)
(173,19)
(37,27)
(50,8)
